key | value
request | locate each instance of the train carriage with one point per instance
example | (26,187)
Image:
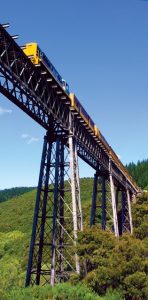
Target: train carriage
(75,103)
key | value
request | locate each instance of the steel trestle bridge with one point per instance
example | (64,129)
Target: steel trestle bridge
(58,212)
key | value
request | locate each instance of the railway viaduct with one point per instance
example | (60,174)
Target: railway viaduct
(58,212)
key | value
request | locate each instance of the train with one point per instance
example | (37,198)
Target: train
(38,57)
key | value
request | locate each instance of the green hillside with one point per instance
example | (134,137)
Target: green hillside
(139,172)
(18,212)
(114,269)
(13,192)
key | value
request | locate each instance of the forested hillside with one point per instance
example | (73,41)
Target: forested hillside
(13,192)
(111,269)
(139,172)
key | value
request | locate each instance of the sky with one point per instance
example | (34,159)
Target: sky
(101,48)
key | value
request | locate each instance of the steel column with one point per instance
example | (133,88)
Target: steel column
(103,203)
(77,182)
(55,213)
(75,189)
(113,200)
(45,159)
(129,211)
(61,210)
(94,198)
(42,229)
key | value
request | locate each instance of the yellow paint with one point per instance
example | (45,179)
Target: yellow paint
(31,51)
(84,118)
(73,103)
(91,127)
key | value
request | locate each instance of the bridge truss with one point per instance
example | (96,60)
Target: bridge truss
(58,212)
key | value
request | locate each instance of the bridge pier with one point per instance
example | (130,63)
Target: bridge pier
(108,202)
(113,203)
(98,197)
(57,217)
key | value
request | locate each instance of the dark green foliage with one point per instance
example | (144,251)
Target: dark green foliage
(109,263)
(137,286)
(13,192)
(139,172)
(140,217)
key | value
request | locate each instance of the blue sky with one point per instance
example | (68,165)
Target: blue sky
(101,48)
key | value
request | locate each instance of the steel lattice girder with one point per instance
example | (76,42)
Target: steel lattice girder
(22,83)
